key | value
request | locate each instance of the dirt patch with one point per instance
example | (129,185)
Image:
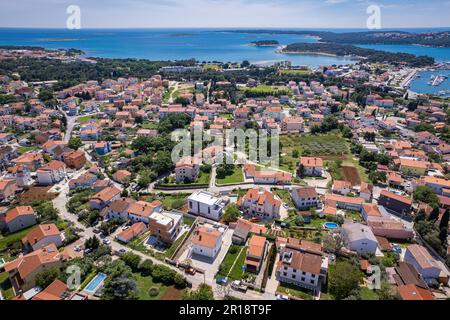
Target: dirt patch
(37,194)
(172,294)
(351,175)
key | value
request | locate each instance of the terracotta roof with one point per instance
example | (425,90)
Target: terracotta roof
(256,246)
(397,197)
(143,208)
(18,211)
(40,232)
(206,237)
(55,291)
(107,194)
(25,265)
(311,162)
(132,231)
(306,192)
(413,292)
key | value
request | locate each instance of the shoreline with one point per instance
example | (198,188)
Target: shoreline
(352,57)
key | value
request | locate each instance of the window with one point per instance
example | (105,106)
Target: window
(285,274)
(303,278)
(312,281)
(293,276)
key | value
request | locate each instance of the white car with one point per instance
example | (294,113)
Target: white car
(107,242)
(282,297)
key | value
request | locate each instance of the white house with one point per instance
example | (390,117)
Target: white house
(205,204)
(207,242)
(419,257)
(360,238)
(305,197)
(52,173)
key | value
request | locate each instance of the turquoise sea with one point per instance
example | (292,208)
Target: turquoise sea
(200,44)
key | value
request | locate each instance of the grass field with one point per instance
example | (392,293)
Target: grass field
(236,272)
(236,177)
(143,286)
(86,118)
(174,201)
(295,72)
(228,262)
(284,195)
(171,250)
(22,150)
(13,237)
(5,286)
(263,90)
(294,291)
(328,146)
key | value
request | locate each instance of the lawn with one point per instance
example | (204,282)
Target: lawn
(5,286)
(285,195)
(236,177)
(263,90)
(171,250)
(174,201)
(236,272)
(354,215)
(149,126)
(6,241)
(24,149)
(86,118)
(188,220)
(143,286)
(202,180)
(367,294)
(228,261)
(294,291)
(295,72)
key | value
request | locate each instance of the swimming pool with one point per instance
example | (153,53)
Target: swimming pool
(330,225)
(95,283)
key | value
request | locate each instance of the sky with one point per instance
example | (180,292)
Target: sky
(225,13)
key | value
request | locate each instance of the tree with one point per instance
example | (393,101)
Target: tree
(426,194)
(161,273)
(333,243)
(75,143)
(377,176)
(132,260)
(444,220)
(146,267)
(232,213)
(204,292)
(46,277)
(295,153)
(180,281)
(92,243)
(120,288)
(344,278)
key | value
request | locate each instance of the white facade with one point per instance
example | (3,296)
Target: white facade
(359,238)
(205,204)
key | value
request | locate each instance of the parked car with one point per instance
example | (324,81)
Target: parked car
(190,271)
(239,286)
(222,281)
(282,297)
(107,242)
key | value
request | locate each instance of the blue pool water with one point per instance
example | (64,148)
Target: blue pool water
(95,283)
(330,225)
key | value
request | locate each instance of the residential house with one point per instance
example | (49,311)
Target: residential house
(53,172)
(305,198)
(256,251)
(104,197)
(23,270)
(19,218)
(207,242)
(311,166)
(261,204)
(8,188)
(42,236)
(395,203)
(187,169)
(428,267)
(132,232)
(102,148)
(142,211)
(391,229)
(165,226)
(74,159)
(57,290)
(412,167)
(359,238)
(341,187)
(243,228)
(205,204)
(343,202)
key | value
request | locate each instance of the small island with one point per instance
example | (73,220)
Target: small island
(265,43)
